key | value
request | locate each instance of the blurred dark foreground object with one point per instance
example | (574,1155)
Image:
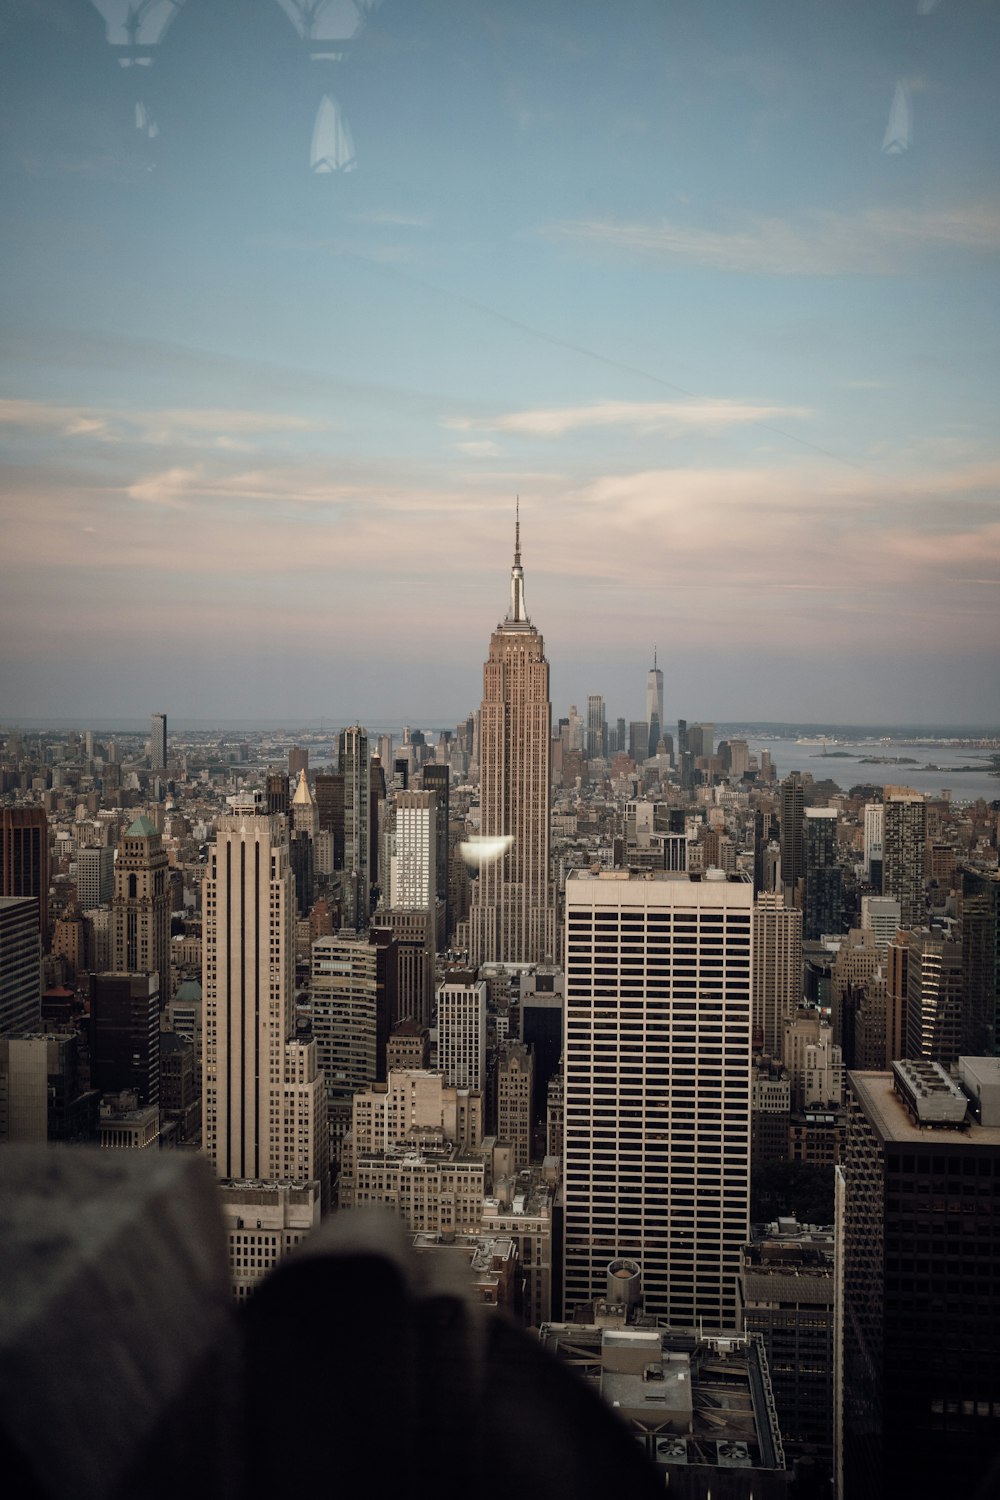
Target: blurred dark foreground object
(125,1369)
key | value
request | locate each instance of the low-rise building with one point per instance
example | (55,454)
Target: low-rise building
(265,1221)
(523,1209)
(785,1294)
(434,1186)
(486,1265)
(702,1410)
(125,1125)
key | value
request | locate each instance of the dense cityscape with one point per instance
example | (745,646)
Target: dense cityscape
(690,1066)
(499,749)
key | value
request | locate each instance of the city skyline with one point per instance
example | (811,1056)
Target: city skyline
(712,298)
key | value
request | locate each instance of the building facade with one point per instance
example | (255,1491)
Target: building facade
(792,815)
(413,884)
(24,858)
(515,1080)
(777,970)
(125,1035)
(657,1059)
(786,1295)
(263,1102)
(354,767)
(140,909)
(20,965)
(95,876)
(904,843)
(461,1023)
(822,900)
(935,1009)
(919,1226)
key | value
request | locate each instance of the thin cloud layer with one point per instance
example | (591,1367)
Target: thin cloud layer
(822,243)
(171,425)
(640,416)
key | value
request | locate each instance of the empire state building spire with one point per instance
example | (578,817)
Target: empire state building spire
(517,614)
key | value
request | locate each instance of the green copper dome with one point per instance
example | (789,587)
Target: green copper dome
(140,829)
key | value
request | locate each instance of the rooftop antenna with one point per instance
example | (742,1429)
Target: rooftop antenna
(517,610)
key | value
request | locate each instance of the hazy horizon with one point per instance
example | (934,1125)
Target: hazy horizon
(385,724)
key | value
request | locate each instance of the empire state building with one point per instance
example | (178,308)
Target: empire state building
(512,919)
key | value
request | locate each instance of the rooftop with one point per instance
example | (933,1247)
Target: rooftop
(893,1122)
(142,828)
(689,1401)
(929,1092)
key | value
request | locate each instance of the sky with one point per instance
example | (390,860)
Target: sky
(291,319)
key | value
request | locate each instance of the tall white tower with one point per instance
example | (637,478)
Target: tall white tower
(777,969)
(513,912)
(657,1053)
(413,871)
(263,1109)
(654,703)
(461,1018)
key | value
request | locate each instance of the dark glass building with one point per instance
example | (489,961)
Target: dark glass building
(125,1034)
(822,899)
(981,957)
(24,857)
(920,1224)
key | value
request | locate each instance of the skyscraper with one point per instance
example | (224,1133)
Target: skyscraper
(880,914)
(330,805)
(158,742)
(904,841)
(873,843)
(346,997)
(95,876)
(264,1111)
(792,815)
(512,918)
(514,1086)
(981,957)
(140,908)
(24,857)
(777,970)
(437,779)
(919,1231)
(935,1015)
(654,705)
(657,1087)
(597,728)
(461,1017)
(304,826)
(353,766)
(822,904)
(125,1034)
(303,812)
(413,877)
(277,791)
(20,965)
(638,739)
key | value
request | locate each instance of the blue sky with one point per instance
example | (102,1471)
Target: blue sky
(712,286)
